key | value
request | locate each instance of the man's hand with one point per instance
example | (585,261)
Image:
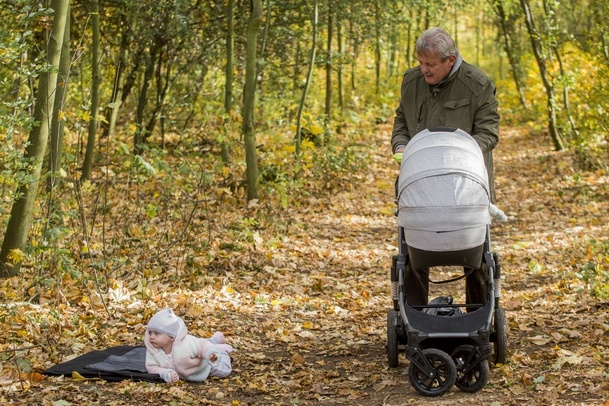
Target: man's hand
(397,155)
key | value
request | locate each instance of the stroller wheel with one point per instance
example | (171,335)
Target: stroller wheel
(440,379)
(500,336)
(392,338)
(469,380)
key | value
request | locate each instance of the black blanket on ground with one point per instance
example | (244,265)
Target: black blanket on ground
(112,364)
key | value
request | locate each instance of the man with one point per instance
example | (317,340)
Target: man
(446,92)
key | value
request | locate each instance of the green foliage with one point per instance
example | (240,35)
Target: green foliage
(179,182)
(16,100)
(594,274)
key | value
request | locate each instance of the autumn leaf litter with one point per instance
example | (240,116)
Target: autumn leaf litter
(306,314)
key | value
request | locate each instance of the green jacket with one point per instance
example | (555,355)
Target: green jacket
(466,100)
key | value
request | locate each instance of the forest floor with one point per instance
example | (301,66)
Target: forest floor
(309,322)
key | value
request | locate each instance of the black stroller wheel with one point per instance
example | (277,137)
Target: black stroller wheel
(473,380)
(500,336)
(392,338)
(442,377)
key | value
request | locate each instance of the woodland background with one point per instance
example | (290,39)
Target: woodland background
(207,155)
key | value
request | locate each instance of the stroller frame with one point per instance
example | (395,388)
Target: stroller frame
(446,350)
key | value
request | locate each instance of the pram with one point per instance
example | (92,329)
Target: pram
(444,215)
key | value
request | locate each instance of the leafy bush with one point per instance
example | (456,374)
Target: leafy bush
(595,273)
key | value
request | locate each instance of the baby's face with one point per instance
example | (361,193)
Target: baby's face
(159,340)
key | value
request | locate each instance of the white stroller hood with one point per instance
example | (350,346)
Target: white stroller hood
(443,192)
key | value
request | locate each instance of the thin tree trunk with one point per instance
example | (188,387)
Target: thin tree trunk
(22,211)
(162,85)
(57,128)
(113,108)
(329,64)
(541,63)
(249,98)
(228,87)
(505,27)
(142,101)
(566,103)
(354,57)
(377,46)
(409,52)
(309,78)
(393,50)
(339,71)
(88,161)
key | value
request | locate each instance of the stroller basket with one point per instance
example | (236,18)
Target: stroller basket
(452,326)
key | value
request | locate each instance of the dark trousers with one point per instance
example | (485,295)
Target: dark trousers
(416,286)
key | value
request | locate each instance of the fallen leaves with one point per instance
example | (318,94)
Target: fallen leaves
(301,294)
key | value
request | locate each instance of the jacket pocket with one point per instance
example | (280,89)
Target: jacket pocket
(456,104)
(458,115)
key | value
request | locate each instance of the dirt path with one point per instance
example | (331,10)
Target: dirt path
(558,339)
(309,324)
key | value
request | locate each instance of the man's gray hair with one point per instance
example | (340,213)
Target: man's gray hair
(436,40)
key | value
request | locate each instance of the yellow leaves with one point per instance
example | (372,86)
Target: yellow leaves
(308,325)
(306,144)
(520,245)
(289,148)
(316,129)
(387,210)
(77,376)
(16,255)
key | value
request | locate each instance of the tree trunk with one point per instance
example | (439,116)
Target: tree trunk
(92,130)
(22,210)
(339,70)
(308,80)
(537,46)
(142,101)
(506,28)
(249,98)
(599,9)
(409,41)
(565,96)
(377,46)
(354,34)
(228,87)
(57,127)
(111,112)
(329,64)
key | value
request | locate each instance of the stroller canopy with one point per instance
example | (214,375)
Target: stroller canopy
(443,192)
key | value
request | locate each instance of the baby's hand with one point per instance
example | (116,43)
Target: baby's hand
(170,376)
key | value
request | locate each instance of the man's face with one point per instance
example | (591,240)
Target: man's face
(434,69)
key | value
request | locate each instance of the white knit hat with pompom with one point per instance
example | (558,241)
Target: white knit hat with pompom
(166,322)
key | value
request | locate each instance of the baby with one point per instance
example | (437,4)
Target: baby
(174,354)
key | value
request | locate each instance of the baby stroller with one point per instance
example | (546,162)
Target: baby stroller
(444,215)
